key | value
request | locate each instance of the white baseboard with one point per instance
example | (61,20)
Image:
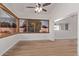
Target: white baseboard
(64,38)
(34,39)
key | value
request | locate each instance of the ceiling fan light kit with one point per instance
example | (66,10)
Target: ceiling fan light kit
(39,7)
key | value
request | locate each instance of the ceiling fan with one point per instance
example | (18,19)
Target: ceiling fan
(39,7)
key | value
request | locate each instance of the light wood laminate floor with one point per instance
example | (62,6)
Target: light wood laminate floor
(66,47)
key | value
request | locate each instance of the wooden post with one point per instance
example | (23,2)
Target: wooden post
(17,25)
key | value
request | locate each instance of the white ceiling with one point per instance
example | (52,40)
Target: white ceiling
(22,12)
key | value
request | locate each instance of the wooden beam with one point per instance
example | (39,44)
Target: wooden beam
(7,10)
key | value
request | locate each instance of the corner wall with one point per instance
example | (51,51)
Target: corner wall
(71,33)
(7,42)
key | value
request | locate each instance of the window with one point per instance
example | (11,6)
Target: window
(61,26)
(33,26)
(56,27)
(7,24)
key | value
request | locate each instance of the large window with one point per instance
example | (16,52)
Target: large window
(33,26)
(7,24)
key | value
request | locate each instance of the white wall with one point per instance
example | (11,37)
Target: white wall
(7,42)
(78,35)
(62,10)
(34,36)
(71,33)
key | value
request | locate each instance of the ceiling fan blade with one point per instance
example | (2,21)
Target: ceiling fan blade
(30,7)
(39,4)
(44,10)
(46,4)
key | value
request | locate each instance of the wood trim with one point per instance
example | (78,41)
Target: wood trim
(7,10)
(17,25)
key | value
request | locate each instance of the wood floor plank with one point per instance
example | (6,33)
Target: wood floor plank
(66,47)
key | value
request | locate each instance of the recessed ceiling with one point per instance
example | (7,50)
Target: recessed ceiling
(21,11)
